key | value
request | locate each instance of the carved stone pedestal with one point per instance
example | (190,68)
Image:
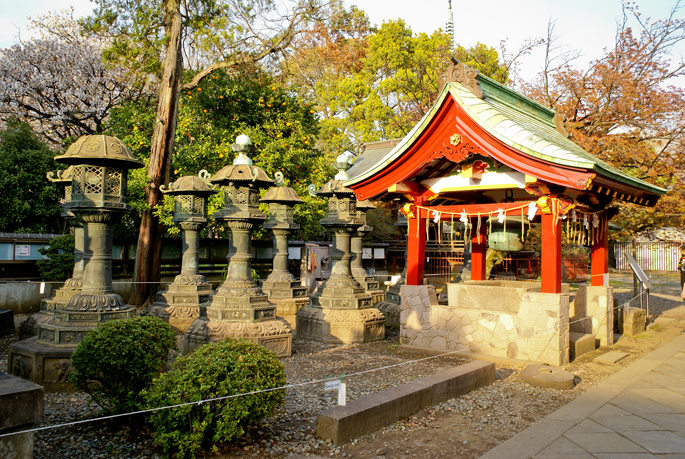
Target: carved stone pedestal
(288,296)
(340,325)
(181,303)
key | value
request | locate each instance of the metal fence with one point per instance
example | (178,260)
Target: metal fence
(651,256)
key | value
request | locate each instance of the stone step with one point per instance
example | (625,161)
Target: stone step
(580,343)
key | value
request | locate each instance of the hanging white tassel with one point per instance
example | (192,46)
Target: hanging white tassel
(586,224)
(464,219)
(595,221)
(532,210)
(574,216)
(500,215)
(436,216)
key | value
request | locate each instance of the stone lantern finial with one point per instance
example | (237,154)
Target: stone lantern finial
(242,146)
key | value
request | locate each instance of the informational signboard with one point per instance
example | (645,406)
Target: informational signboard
(379,253)
(637,270)
(22,250)
(367,253)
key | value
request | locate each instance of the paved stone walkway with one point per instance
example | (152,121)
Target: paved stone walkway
(638,413)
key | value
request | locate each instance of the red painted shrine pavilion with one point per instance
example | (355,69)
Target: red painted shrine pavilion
(485,152)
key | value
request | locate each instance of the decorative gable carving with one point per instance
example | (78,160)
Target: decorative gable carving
(461,73)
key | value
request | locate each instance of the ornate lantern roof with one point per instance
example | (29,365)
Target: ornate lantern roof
(100,150)
(190,194)
(190,185)
(281,195)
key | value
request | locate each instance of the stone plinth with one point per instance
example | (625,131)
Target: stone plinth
(44,365)
(180,304)
(592,312)
(634,321)
(288,296)
(514,323)
(21,408)
(338,326)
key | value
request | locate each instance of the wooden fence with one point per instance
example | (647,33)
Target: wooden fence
(651,256)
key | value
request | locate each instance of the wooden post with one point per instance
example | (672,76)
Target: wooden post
(551,254)
(599,257)
(416,248)
(479,248)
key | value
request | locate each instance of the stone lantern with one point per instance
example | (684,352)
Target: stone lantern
(71,286)
(281,286)
(98,200)
(369,283)
(239,308)
(391,306)
(181,302)
(340,311)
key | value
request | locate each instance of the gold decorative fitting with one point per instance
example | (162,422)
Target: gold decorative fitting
(455,139)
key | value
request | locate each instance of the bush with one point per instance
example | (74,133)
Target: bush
(120,358)
(60,262)
(214,370)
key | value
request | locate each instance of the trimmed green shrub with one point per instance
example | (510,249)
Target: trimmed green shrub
(214,370)
(119,359)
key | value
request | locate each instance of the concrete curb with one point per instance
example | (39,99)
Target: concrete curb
(368,414)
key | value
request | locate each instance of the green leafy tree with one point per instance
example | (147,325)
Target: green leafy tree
(283,129)
(485,59)
(29,201)
(205,35)
(60,262)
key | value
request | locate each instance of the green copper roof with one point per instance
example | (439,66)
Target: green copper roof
(515,121)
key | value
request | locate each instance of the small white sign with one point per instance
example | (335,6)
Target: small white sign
(367,253)
(42,288)
(22,250)
(332,385)
(342,394)
(379,253)
(294,253)
(605,280)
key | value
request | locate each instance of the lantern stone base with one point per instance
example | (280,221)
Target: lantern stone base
(68,327)
(273,334)
(248,316)
(288,296)
(391,312)
(372,288)
(340,325)
(40,363)
(62,296)
(179,305)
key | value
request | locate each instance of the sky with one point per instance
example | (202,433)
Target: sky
(588,26)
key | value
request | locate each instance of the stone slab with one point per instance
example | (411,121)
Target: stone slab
(580,343)
(611,357)
(368,414)
(21,407)
(21,402)
(6,322)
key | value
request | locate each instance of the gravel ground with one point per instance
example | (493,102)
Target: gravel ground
(463,427)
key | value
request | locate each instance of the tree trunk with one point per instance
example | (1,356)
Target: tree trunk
(149,252)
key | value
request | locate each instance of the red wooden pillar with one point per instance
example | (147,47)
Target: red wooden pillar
(479,248)
(416,248)
(551,254)
(599,257)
